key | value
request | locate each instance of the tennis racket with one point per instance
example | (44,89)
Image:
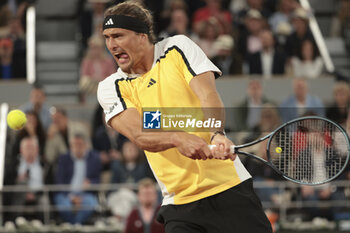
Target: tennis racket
(307,150)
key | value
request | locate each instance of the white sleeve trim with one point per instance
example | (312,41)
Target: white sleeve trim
(108,98)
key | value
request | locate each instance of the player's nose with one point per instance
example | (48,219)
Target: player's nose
(112,45)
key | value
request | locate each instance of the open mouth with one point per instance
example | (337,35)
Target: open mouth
(122,57)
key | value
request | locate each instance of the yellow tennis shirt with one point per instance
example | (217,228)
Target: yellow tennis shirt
(177,60)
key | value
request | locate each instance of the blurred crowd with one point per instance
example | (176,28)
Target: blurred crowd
(261,37)
(53,149)
(257,116)
(258,37)
(242,37)
(12,39)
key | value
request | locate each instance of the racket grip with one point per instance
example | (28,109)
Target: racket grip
(232,148)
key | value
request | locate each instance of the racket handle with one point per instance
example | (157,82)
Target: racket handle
(232,148)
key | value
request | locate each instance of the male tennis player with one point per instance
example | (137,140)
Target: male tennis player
(203,190)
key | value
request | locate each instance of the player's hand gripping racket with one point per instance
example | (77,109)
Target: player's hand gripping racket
(308,150)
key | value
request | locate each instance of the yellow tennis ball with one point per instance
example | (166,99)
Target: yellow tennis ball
(278,149)
(16,119)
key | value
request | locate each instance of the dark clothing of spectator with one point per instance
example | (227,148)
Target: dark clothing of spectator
(229,65)
(336,114)
(136,224)
(86,27)
(65,168)
(19,68)
(102,142)
(278,63)
(122,173)
(97,120)
(243,111)
(66,174)
(294,42)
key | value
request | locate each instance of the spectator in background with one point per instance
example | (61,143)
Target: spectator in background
(248,40)
(338,110)
(17,35)
(342,193)
(12,44)
(282,16)
(96,65)
(92,19)
(60,133)
(33,128)
(143,218)
(5,18)
(6,44)
(109,143)
(269,61)
(300,21)
(167,18)
(37,104)
(341,22)
(269,120)
(213,9)
(79,168)
(208,33)
(248,112)
(300,102)
(6,53)
(317,194)
(30,173)
(255,5)
(131,167)
(227,59)
(238,5)
(178,25)
(308,63)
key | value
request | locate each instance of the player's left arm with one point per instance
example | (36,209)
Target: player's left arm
(203,85)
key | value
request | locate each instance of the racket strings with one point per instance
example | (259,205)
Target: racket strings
(311,150)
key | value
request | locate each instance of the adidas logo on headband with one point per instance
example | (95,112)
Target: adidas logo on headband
(125,22)
(109,22)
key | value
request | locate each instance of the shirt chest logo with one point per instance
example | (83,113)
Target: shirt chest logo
(151,82)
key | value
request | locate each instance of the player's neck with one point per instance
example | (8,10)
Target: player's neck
(145,62)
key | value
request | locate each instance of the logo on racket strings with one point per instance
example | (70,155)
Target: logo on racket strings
(152,119)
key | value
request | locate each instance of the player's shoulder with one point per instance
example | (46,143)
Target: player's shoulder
(178,39)
(179,42)
(110,80)
(108,85)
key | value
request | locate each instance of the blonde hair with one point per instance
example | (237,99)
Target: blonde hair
(341,85)
(146,182)
(136,10)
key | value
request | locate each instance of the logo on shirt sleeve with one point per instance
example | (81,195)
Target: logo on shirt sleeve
(152,119)
(111,109)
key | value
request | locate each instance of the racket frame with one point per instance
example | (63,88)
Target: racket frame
(268,162)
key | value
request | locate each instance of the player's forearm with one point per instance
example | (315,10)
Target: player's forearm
(156,142)
(204,88)
(214,108)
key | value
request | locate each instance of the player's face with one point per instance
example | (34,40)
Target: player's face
(126,47)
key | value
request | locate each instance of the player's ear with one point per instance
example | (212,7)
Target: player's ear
(144,37)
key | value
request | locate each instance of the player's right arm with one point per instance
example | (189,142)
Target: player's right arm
(129,124)
(116,99)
